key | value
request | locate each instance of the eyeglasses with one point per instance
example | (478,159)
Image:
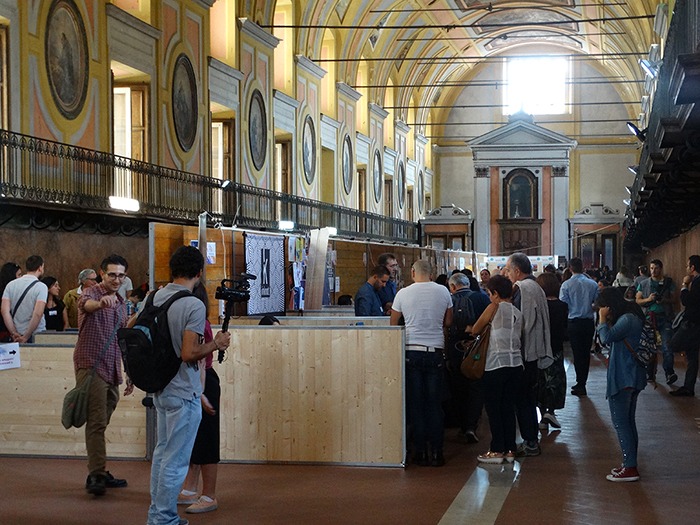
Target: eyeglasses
(115,276)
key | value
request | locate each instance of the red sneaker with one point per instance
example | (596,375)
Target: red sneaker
(624,474)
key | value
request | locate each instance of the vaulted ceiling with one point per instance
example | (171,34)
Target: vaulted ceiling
(427,49)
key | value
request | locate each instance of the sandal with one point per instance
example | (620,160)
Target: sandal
(490,457)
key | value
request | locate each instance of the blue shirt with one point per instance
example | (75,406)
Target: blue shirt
(367,301)
(387,294)
(623,369)
(579,292)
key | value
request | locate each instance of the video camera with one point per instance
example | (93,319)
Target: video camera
(237,291)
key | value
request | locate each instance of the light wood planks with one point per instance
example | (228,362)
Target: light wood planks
(31,399)
(324,395)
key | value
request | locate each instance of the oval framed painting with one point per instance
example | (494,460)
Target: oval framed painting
(67,58)
(257,129)
(402,184)
(184,102)
(308,143)
(377,175)
(347,164)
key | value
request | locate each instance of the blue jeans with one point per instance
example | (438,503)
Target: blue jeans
(623,407)
(663,325)
(500,388)
(424,388)
(178,421)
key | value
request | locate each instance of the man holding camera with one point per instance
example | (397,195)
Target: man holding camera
(655,295)
(178,405)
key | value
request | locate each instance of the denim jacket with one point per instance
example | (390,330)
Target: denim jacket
(623,369)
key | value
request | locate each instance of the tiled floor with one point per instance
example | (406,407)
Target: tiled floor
(566,485)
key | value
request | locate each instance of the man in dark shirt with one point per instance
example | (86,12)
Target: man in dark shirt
(690,297)
(388,292)
(367,302)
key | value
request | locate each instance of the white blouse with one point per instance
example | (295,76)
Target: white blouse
(504,344)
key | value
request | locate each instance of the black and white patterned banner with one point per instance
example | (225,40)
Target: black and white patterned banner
(264,255)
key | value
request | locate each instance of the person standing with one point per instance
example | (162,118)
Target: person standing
(536,348)
(620,326)
(9,272)
(101,311)
(427,309)
(579,292)
(552,382)
(367,301)
(55,310)
(387,294)
(504,368)
(178,406)
(656,296)
(86,279)
(687,338)
(23,302)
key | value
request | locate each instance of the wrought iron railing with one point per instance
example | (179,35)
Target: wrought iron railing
(50,174)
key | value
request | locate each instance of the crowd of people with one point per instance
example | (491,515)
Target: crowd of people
(530,319)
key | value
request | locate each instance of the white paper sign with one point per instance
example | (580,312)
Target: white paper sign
(9,356)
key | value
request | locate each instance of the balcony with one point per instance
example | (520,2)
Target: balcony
(50,175)
(664,196)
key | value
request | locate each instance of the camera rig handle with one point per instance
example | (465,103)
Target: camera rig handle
(230,297)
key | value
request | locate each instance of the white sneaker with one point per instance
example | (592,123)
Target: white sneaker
(551,419)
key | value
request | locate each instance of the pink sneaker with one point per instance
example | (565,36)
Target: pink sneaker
(204,504)
(624,474)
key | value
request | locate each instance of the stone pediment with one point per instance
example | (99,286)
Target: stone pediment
(521,132)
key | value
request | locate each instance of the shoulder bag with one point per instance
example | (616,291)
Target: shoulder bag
(75,402)
(474,362)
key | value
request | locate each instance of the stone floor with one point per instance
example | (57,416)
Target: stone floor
(565,485)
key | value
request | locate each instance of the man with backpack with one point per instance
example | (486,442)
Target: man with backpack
(467,398)
(23,302)
(178,405)
(101,312)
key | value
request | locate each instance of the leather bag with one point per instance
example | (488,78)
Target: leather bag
(474,362)
(75,404)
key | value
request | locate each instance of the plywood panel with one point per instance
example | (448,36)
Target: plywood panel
(31,398)
(325,395)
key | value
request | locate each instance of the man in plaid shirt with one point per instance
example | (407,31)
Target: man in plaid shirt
(101,311)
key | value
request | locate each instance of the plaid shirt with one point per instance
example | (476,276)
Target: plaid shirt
(94,329)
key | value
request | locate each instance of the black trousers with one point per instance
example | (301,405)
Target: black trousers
(581,332)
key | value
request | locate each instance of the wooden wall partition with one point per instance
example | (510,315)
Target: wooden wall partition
(31,399)
(328,395)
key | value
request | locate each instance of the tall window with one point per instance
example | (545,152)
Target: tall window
(3,77)
(222,166)
(536,85)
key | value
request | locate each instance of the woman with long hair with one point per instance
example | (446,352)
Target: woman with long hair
(9,272)
(551,393)
(620,326)
(55,311)
(504,368)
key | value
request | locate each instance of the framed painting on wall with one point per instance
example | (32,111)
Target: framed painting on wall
(308,139)
(67,58)
(377,176)
(257,129)
(347,164)
(402,184)
(184,102)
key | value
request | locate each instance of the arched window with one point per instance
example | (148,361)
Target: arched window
(520,195)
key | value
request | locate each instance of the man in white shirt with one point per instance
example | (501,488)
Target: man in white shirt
(23,302)
(427,309)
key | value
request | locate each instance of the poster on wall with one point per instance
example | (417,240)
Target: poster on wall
(264,255)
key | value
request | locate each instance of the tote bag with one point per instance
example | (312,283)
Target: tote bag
(474,362)
(75,403)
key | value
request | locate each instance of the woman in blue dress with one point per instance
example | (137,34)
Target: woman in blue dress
(620,326)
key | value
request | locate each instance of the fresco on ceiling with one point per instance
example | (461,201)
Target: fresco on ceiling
(471,5)
(527,37)
(500,20)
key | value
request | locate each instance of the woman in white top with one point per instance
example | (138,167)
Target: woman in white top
(504,368)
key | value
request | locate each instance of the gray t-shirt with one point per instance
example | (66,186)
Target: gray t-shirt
(187,313)
(23,315)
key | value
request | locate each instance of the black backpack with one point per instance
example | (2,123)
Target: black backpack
(147,349)
(463,315)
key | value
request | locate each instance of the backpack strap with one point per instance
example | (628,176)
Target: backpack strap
(24,294)
(175,297)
